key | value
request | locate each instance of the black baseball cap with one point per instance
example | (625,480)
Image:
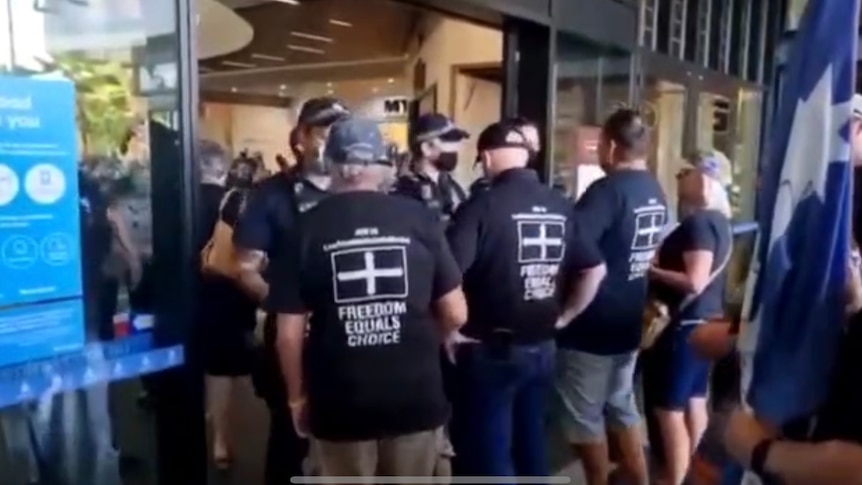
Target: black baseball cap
(502,134)
(431,126)
(322,111)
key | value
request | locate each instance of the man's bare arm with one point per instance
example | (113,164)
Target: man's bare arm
(583,291)
(290,342)
(251,264)
(830,463)
(451,311)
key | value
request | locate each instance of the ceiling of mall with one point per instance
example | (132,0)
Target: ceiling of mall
(309,32)
(315,42)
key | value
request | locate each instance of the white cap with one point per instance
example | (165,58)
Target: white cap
(856,105)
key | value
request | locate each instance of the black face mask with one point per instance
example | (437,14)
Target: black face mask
(446,161)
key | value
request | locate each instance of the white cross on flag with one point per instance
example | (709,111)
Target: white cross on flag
(540,241)
(367,274)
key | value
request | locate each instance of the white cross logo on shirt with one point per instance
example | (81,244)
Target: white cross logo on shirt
(542,241)
(540,238)
(649,226)
(370,274)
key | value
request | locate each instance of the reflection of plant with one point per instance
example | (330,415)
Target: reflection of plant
(104,100)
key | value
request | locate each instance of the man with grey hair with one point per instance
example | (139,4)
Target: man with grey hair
(382,289)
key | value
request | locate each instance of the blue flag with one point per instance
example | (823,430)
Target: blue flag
(797,304)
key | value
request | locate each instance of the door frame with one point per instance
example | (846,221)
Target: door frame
(181,444)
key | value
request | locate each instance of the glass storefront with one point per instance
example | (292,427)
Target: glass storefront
(590,83)
(90,159)
(690,109)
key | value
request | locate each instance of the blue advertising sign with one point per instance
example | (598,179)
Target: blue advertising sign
(39,201)
(41,330)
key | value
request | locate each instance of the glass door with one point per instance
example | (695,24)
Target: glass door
(95,382)
(692,108)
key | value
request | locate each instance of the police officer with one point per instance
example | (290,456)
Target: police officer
(530,132)
(269,216)
(434,145)
(511,242)
(374,272)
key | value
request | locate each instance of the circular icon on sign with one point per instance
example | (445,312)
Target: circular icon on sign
(9,184)
(19,252)
(57,249)
(45,183)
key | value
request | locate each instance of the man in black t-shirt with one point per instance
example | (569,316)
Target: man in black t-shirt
(624,214)
(269,216)
(376,276)
(511,242)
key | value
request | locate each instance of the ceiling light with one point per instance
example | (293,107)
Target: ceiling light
(237,64)
(267,57)
(289,2)
(302,48)
(282,87)
(340,23)
(319,38)
(330,92)
(329,85)
(390,80)
(233,90)
(374,90)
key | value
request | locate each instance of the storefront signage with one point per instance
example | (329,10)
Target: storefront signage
(40,291)
(395,106)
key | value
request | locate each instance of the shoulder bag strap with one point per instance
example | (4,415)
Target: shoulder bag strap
(224,200)
(691,296)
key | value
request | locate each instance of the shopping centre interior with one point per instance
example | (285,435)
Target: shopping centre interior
(376,56)
(260,59)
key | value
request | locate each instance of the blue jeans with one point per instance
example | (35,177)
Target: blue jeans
(499,410)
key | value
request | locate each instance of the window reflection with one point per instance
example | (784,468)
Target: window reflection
(590,84)
(667,102)
(70,413)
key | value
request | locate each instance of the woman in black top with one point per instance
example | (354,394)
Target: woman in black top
(227,314)
(688,279)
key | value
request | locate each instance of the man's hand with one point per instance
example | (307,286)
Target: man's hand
(299,414)
(453,341)
(742,434)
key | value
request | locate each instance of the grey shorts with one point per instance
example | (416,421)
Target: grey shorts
(422,454)
(593,388)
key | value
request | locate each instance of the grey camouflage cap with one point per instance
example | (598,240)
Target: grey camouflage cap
(356,141)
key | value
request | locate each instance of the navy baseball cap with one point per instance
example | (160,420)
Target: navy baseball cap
(321,112)
(435,125)
(502,134)
(356,141)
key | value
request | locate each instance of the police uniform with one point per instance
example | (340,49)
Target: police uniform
(444,195)
(510,241)
(367,266)
(269,217)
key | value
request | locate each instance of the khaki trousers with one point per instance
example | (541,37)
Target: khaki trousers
(423,454)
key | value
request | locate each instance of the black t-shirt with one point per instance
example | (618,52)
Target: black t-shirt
(511,241)
(271,210)
(704,230)
(625,214)
(368,267)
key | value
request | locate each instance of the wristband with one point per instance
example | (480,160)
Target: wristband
(759,454)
